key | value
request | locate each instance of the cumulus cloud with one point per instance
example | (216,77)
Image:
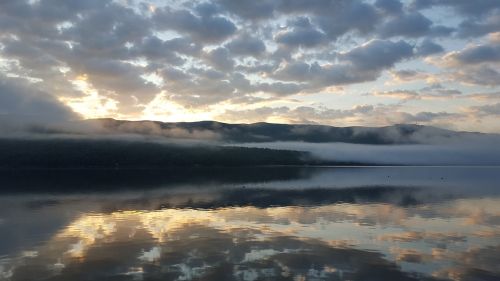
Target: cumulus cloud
(248,45)
(428,47)
(411,25)
(363,63)
(390,6)
(469,8)
(301,34)
(206,28)
(478,54)
(474,27)
(475,64)
(378,54)
(219,58)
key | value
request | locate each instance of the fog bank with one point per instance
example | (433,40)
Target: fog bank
(479,152)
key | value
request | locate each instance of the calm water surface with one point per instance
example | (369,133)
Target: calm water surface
(372,223)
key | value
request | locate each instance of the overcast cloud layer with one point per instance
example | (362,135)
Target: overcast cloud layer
(337,62)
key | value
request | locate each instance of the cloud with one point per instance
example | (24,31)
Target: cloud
(427,48)
(384,115)
(390,6)
(249,9)
(337,18)
(362,63)
(166,52)
(219,58)
(302,34)
(246,45)
(478,75)
(406,75)
(435,91)
(301,114)
(211,28)
(409,25)
(481,17)
(399,94)
(20,102)
(469,8)
(378,54)
(477,54)
(475,64)
(478,27)
(489,109)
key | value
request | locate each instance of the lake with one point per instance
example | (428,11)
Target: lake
(270,223)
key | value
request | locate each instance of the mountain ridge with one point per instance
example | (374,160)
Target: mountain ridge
(266,132)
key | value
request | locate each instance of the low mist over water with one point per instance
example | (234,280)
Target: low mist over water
(479,151)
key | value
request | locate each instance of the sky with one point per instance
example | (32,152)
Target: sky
(333,62)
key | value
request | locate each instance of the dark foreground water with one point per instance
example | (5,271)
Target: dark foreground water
(371,223)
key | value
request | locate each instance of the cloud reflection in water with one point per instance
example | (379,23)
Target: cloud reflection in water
(253,233)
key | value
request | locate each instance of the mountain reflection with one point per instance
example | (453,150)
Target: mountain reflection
(253,233)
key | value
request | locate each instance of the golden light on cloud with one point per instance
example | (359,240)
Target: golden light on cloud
(92,104)
(161,108)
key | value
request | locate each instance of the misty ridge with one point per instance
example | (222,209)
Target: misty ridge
(218,132)
(117,143)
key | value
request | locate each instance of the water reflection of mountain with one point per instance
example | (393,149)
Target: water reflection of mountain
(109,180)
(91,180)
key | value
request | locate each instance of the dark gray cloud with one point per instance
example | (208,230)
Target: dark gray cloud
(428,47)
(478,27)
(20,101)
(478,54)
(378,54)
(220,59)
(250,9)
(466,7)
(168,51)
(340,17)
(411,25)
(246,45)
(301,34)
(363,63)
(482,16)
(122,80)
(211,28)
(105,31)
(390,6)
(488,110)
